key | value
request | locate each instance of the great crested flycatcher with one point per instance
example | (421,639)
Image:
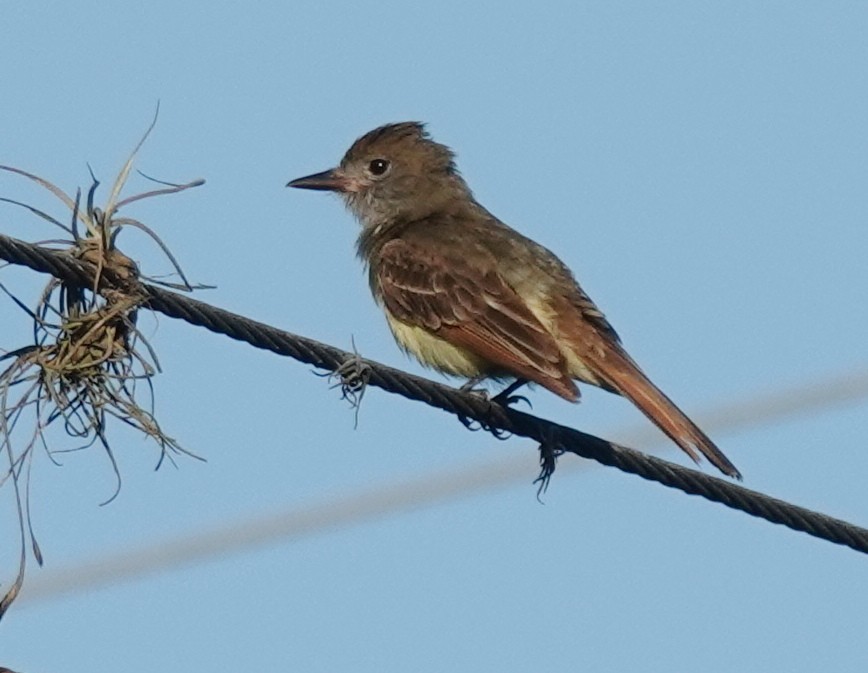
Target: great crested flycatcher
(468,295)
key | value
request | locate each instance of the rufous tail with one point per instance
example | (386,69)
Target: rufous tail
(624,375)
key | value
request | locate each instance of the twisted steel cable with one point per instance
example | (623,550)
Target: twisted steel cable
(465,405)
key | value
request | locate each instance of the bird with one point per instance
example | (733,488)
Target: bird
(469,296)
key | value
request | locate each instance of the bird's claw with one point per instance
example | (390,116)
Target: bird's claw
(474,426)
(508,400)
(504,399)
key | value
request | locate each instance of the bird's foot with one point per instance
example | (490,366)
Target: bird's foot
(472,424)
(505,397)
(508,400)
(471,387)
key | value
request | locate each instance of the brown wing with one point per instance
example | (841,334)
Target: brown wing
(589,311)
(470,306)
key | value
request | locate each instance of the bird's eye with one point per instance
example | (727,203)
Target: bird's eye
(378,166)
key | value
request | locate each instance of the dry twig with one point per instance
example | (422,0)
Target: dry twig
(88,360)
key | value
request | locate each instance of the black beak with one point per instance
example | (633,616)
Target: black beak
(328,181)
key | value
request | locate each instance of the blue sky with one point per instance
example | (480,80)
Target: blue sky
(701,166)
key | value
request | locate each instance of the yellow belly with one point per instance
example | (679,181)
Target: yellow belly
(434,352)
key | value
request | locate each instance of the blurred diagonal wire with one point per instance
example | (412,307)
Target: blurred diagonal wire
(392,498)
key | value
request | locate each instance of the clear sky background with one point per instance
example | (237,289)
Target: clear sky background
(703,167)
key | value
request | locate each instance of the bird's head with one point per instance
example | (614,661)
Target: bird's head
(394,173)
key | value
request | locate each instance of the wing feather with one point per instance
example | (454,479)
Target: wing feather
(470,306)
